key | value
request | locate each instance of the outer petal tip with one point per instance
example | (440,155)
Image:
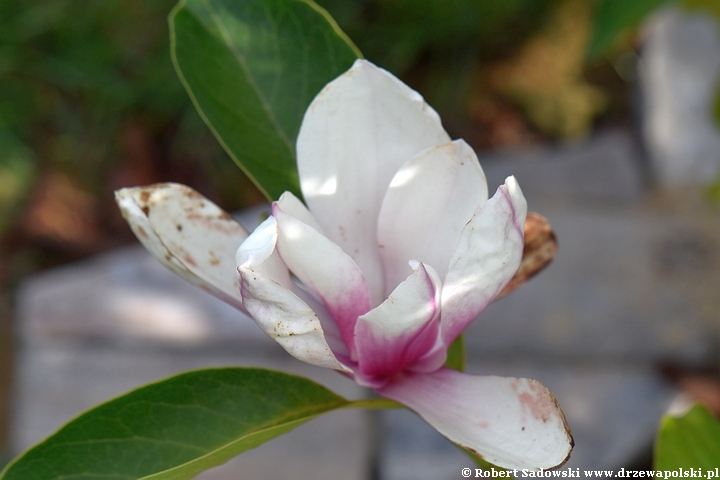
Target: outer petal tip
(187,233)
(486,257)
(516,199)
(259,245)
(130,208)
(510,422)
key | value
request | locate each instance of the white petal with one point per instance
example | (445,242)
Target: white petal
(355,135)
(291,205)
(188,233)
(325,269)
(259,251)
(280,313)
(487,255)
(510,422)
(429,201)
(330,329)
(403,328)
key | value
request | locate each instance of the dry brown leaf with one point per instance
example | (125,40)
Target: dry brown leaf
(540,248)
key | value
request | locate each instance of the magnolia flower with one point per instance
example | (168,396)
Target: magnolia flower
(398,250)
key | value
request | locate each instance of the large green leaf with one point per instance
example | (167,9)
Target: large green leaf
(612,17)
(252,67)
(177,427)
(689,441)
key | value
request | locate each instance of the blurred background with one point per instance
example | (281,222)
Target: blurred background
(89,102)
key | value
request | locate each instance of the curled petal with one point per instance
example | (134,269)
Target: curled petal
(355,135)
(278,311)
(259,253)
(325,269)
(188,234)
(486,257)
(429,201)
(510,422)
(391,336)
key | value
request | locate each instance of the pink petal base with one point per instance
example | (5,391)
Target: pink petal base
(403,328)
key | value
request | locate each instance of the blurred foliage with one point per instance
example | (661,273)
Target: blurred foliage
(707,6)
(613,17)
(691,440)
(17,171)
(499,73)
(546,76)
(89,102)
(398,34)
(439,48)
(72,70)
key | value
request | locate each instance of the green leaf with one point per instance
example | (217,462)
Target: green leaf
(17,174)
(689,441)
(252,68)
(612,17)
(177,427)
(456,354)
